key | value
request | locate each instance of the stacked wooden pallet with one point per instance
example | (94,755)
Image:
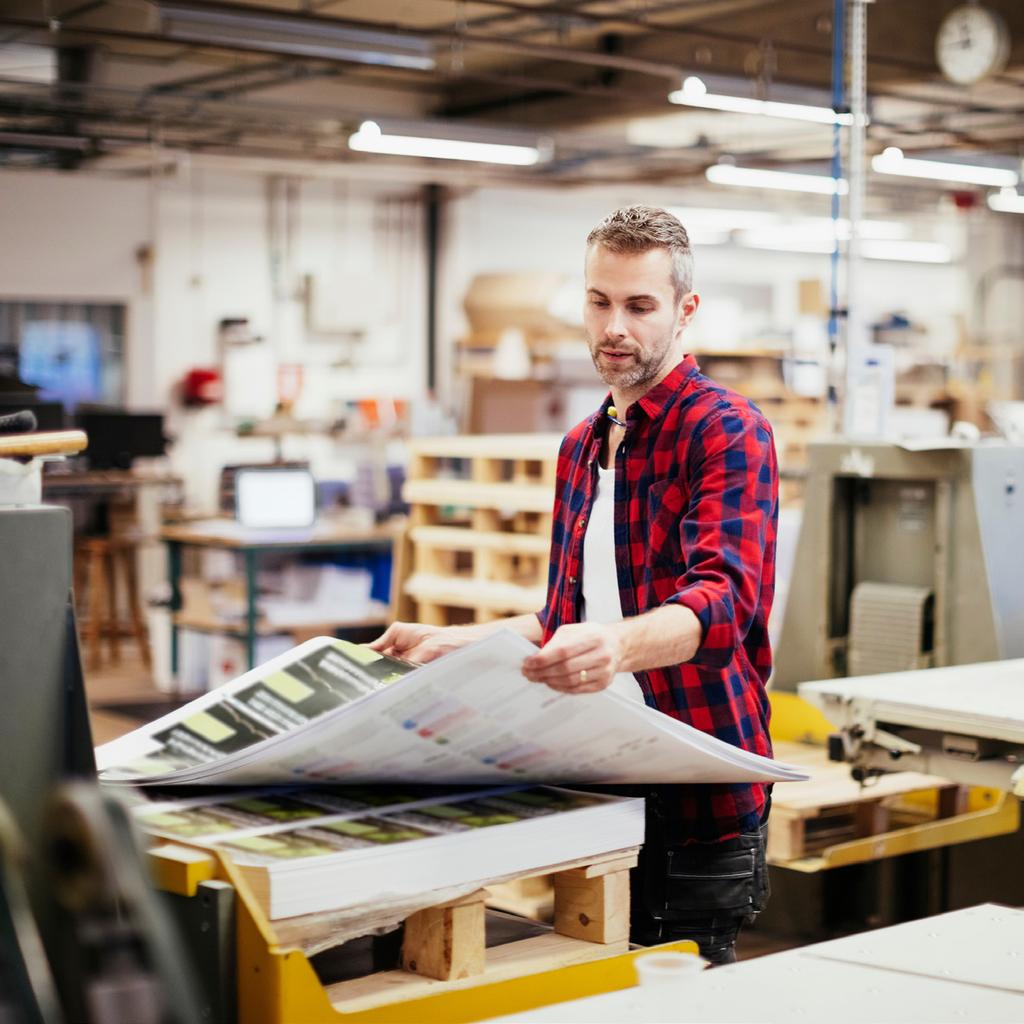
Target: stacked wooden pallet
(480,526)
(445,945)
(448,970)
(831,808)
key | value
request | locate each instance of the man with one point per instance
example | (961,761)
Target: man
(662,574)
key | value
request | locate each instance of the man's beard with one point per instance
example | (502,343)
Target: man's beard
(641,370)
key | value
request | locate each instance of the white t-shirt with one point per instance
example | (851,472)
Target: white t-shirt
(600,579)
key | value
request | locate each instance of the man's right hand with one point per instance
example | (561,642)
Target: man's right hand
(420,643)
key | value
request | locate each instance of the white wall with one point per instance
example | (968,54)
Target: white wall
(507,230)
(229,245)
(72,236)
(225,243)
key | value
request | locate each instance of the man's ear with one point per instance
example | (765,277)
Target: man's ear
(688,308)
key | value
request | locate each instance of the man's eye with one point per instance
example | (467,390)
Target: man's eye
(600,303)
(640,309)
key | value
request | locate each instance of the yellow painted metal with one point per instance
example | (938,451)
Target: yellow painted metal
(980,797)
(516,995)
(796,721)
(180,869)
(1001,818)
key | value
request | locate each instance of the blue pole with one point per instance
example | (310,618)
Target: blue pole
(838,104)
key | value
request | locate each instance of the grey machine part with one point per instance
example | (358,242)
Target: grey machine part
(84,935)
(948,520)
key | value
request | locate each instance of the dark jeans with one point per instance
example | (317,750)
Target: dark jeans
(701,891)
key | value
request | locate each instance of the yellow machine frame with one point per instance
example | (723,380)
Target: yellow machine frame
(990,812)
(277,985)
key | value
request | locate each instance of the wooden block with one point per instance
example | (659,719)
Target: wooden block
(871,819)
(785,835)
(507,446)
(431,614)
(604,866)
(593,909)
(486,470)
(446,942)
(454,538)
(542,953)
(506,496)
(953,800)
(486,520)
(533,898)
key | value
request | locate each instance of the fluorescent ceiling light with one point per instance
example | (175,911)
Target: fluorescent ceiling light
(370,139)
(756,177)
(892,161)
(905,251)
(1006,201)
(779,242)
(718,219)
(694,93)
(217,24)
(872,249)
(707,236)
(882,229)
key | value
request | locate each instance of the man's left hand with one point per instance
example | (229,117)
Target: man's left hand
(581,657)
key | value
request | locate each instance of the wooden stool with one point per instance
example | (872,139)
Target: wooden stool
(98,562)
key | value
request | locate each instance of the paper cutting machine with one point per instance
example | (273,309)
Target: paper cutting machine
(906,559)
(965,723)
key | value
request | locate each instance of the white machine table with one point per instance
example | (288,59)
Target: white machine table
(964,722)
(967,965)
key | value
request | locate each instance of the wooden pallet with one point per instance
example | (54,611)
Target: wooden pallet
(480,525)
(831,808)
(444,946)
(448,972)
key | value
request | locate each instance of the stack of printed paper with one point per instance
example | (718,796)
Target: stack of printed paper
(331,711)
(329,849)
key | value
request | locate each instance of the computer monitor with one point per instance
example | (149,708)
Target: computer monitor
(116,438)
(275,498)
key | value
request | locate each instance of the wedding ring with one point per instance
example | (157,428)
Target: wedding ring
(583,675)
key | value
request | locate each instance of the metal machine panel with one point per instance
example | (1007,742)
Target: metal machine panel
(35,589)
(998,491)
(946,520)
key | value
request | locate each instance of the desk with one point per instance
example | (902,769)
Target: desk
(225,534)
(91,494)
(964,965)
(104,482)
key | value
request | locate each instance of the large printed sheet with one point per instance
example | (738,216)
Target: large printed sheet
(333,712)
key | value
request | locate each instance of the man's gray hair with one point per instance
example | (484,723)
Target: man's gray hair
(637,229)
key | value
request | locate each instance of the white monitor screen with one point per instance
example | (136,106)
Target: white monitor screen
(275,498)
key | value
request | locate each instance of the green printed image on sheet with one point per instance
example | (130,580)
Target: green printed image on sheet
(188,822)
(368,796)
(157,763)
(321,681)
(378,666)
(228,815)
(211,733)
(460,816)
(373,831)
(280,846)
(538,801)
(276,809)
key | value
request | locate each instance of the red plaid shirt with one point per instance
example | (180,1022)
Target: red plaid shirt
(696,507)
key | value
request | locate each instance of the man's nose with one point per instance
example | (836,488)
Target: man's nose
(616,327)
